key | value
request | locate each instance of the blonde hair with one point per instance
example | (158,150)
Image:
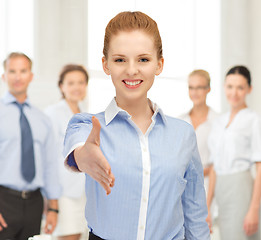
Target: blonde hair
(202,73)
(15,55)
(128,21)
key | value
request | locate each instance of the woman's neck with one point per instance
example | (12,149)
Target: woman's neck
(140,111)
(73,106)
(199,110)
(199,114)
(234,111)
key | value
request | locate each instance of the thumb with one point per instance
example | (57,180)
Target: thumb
(94,136)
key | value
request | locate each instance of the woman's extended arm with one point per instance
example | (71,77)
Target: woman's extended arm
(90,159)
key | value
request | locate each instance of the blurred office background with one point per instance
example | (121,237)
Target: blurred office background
(208,34)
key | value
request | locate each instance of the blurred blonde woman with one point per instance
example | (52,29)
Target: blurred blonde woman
(72,82)
(201,115)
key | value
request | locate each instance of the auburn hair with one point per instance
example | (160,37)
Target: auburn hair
(129,21)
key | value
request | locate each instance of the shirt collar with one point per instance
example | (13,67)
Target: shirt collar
(9,98)
(112,110)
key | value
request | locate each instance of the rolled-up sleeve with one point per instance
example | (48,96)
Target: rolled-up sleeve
(78,130)
(256,140)
(194,199)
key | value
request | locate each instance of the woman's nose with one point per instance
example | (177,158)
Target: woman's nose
(132,69)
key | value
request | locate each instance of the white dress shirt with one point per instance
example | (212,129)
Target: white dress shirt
(72,183)
(235,148)
(202,133)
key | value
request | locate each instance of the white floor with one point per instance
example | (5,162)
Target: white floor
(215,234)
(84,237)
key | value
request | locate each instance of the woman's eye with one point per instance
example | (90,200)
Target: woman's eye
(119,60)
(82,83)
(144,60)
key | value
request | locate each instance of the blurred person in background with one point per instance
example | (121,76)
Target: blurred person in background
(71,224)
(201,116)
(235,145)
(28,163)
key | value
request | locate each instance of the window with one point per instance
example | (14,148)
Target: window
(16,29)
(191,39)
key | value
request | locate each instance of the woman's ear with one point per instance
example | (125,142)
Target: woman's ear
(3,77)
(61,88)
(250,89)
(209,89)
(159,67)
(105,66)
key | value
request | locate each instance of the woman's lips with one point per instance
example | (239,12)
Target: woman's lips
(132,83)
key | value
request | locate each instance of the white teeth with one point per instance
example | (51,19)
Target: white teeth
(133,83)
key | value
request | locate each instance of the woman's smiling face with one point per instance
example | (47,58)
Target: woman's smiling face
(236,89)
(132,63)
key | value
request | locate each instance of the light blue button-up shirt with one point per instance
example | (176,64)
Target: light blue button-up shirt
(159,187)
(10,149)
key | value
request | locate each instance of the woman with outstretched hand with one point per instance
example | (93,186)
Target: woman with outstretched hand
(147,163)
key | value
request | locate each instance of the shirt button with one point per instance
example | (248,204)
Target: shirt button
(146,172)
(142,227)
(144,199)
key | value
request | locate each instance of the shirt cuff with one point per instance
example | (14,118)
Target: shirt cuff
(71,161)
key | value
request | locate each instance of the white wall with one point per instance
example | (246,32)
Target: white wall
(255,53)
(60,38)
(240,43)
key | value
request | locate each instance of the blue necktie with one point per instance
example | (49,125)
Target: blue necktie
(27,147)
